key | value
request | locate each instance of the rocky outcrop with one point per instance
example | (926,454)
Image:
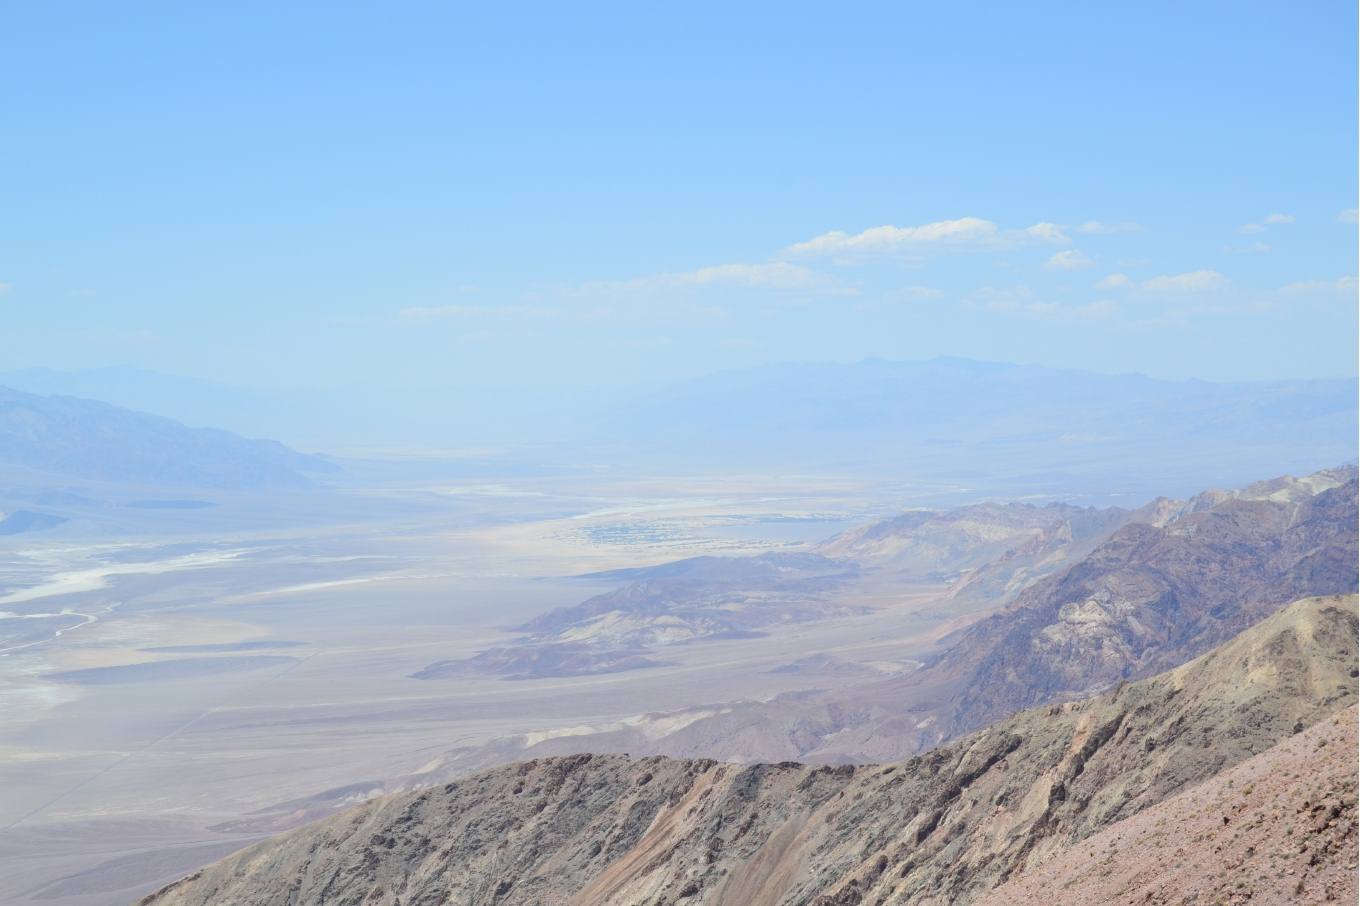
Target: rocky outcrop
(1149,597)
(1278,828)
(945,827)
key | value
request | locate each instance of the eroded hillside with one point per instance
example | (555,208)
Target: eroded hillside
(945,827)
(1153,595)
(1278,828)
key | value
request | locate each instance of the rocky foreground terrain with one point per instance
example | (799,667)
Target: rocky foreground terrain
(1278,828)
(995,807)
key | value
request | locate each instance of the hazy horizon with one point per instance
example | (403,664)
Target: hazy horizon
(416,421)
(473,202)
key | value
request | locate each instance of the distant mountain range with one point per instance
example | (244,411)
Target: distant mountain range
(1003,429)
(984,422)
(195,402)
(78,438)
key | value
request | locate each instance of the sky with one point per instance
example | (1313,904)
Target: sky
(474,199)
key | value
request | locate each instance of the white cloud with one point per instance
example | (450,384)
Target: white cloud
(1248,229)
(1350,215)
(471,312)
(1015,307)
(435,312)
(1068,260)
(1047,232)
(910,293)
(1190,282)
(779,274)
(668,295)
(994,295)
(919,292)
(1100,228)
(1343,285)
(1113,281)
(887,240)
(1101,308)
(773,275)
(701,293)
(5,287)
(1017,301)
(964,233)
(902,295)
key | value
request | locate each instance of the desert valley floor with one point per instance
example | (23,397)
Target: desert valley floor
(173,691)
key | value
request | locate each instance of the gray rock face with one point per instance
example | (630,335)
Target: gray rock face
(945,827)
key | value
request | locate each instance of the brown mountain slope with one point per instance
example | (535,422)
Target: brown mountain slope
(1278,828)
(1151,597)
(941,828)
(1146,599)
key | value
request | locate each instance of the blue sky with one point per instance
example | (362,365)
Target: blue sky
(409,195)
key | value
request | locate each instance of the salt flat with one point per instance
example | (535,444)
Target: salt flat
(195,684)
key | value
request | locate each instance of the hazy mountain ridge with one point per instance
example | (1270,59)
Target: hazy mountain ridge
(17,522)
(945,827)
(991,549)
(957,417)
(192,401)
(1017,428)
(91,440)
(943,543)
(700,598)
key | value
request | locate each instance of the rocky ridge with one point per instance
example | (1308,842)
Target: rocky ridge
(944,827)
(1147,598)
